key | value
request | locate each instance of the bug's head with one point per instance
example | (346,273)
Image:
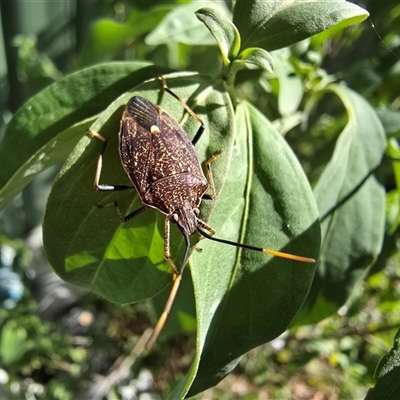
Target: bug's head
(186,218)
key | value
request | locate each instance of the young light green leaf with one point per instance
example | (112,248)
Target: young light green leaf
(275,24)
(245,298)
(351,202)
(181,26)
(252,58)
(256,57)
(224,32)
(34,130)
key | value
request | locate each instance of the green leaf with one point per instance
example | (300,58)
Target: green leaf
(393,197)
(390,120)
(245,298)
(90,247)
(107,36)
(48,126)
(351,202)
(387,384)
(14,343)
(224,32)
(255,57)
(291,89)
(275,24)
(394,153)
(252,58)
(181,25)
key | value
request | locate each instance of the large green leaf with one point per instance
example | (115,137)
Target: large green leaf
(387,375)
(245,298)
(239,293)
(89,246)
(275,24)
(351,203)
(46,129)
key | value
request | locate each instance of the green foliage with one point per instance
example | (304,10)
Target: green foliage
(188,30)
(224,32)
(249,98)
(350,199)
(387,385)
(274,24)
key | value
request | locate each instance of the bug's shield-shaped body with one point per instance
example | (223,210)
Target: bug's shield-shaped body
(161,162)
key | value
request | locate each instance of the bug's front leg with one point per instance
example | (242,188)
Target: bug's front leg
(100,186)
(167,252)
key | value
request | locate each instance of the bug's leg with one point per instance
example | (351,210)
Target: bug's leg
(200,131)
(207,227)
(110,188)
(99,186)
(167,254)
(128,217)
(210,196)
(177,277)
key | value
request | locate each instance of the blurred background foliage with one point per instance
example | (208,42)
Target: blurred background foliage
(58,341)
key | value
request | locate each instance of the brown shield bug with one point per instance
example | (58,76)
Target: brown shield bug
(162,165)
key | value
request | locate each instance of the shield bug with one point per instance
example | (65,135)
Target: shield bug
(162,165)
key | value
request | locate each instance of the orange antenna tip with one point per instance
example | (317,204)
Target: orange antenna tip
(289,256)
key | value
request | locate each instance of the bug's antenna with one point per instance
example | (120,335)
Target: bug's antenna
(260,249)
(178,277)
